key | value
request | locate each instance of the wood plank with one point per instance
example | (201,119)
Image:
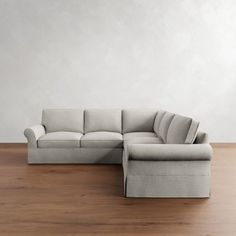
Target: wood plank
(88,200)
(13,145)
(223,145)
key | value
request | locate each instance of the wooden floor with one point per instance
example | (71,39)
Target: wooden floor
(88,200)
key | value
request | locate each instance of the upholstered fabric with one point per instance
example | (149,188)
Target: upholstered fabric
(71,120)
(199,167)
(33,134)
(166,178)
(103,120)
(143,140)
(134,135)
(192,132)
(60,140)
(138,120)
(75,155)
(180,130)
(168,186)
(162,154)
(189,179)
(201,138)
(159,116)
(170,152)
(102,140)
(164,125)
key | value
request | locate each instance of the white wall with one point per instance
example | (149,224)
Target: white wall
(170,54)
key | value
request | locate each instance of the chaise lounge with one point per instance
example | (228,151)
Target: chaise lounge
(163,154)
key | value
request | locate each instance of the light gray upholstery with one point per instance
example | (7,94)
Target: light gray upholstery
(192,132)
(141,138)
(201,138)
(144,140)
(157,122)
(133,135)
(102,140)
(60,140)
(167,179)
(164,125)
(138,120)
(103,120)
(150,171)
(33,134)
(162,152)
(182,130)
(75,156)
(138,167)
(63,120)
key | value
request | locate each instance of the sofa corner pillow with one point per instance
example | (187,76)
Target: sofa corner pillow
(164,125)
(182,130)
(159,116)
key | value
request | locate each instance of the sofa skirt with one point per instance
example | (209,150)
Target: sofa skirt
(167,179)
(75,156)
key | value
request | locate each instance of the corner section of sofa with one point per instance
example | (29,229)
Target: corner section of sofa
(167,170)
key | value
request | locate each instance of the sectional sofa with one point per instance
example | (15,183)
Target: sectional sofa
(163,154)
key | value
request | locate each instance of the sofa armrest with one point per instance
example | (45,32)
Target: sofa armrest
(33,134)
(169,152)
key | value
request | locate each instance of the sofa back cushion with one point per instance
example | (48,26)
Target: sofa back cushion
(164,125)
(182,130)
(63,120)
(138,120)
(157,122)
(102,120)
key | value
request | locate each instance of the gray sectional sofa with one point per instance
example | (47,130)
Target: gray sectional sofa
(163,154)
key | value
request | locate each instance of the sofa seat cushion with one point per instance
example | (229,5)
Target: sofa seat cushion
(60,140)
(144,140)
(102,139)
(133,135)
(141,138)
